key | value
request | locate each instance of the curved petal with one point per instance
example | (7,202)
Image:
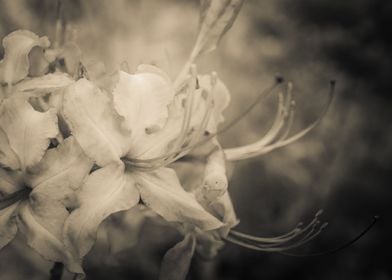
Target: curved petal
(61,170)
(41,223)
(177,260)
(161,191)
(106,191)
(143,99)
(28,131)
(94,123)
(8,227)
(17,46)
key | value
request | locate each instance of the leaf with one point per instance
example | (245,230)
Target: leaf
(161,191)
(143,99)
(61,171)
(41,223)
(216,18)
(17,46)
(93,122)
(8,227)
(177,260)
(28,131)
(106,191)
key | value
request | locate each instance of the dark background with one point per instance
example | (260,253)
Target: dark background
(343,166)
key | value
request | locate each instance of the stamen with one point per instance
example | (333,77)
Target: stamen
(293,239)
(339,248)
(146,163)
(250,150)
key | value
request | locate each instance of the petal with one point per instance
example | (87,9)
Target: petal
(28,131)
(8,226)
(61,170)
(224,210)
(142,99)
(17,46)
(161,191)
(44,84)
(41,223)
(177,260)
(10,182)
(94,123)
(8,158)
(216,17)
(221,99)
(106,191)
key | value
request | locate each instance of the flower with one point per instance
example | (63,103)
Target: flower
(133,133)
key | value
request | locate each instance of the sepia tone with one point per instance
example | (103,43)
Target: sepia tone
(311,75)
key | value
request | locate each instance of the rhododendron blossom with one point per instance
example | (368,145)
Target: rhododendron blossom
(78,145)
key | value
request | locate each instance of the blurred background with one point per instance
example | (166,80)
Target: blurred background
(343,166)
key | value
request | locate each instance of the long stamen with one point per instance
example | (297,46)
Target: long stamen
(143,162)
(295,238)
(232,154)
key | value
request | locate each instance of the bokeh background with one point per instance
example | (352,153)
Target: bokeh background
(343,166)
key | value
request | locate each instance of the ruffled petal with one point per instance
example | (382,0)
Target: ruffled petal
(177,260)
(143,99)
(161,191)
(94,123)
(61,171)
(106,191)
(17,46)
(28,131)
(41,222)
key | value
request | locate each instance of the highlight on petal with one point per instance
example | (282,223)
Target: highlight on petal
(177,260)
(61,171)
(105,191)
(143,99)
(41,223)
(17,46)
(93,122)
(161,191)
(28,131)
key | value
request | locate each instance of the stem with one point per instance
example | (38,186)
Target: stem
(57,271)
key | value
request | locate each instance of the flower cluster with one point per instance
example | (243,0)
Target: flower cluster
(78,144)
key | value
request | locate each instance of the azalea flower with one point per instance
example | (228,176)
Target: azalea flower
(133,133)
(36,183)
